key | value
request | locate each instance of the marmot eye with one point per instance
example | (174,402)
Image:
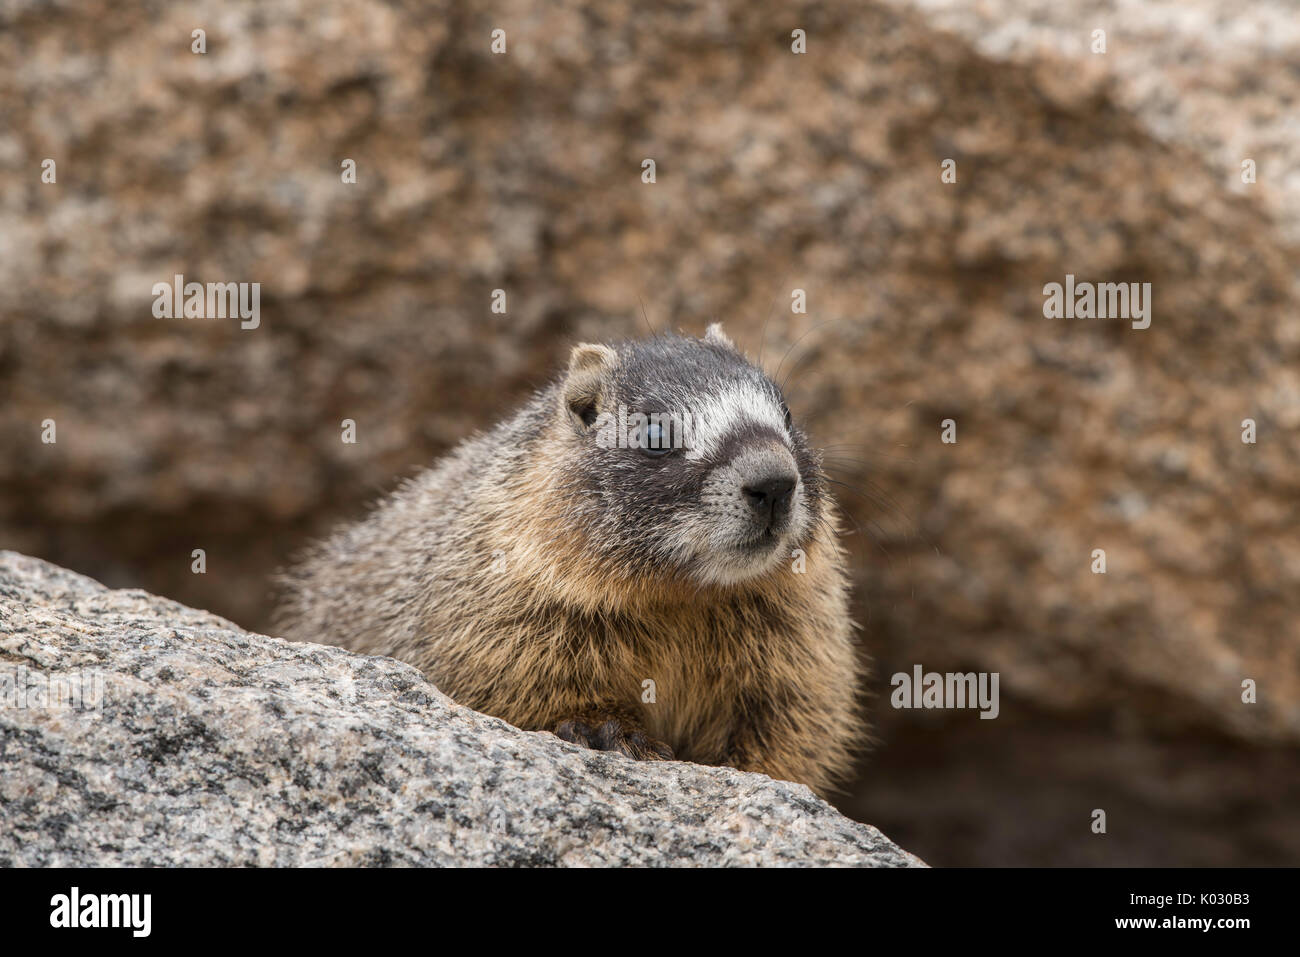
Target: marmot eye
(656,440)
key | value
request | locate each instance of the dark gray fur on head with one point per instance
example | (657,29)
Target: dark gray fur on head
(715,507)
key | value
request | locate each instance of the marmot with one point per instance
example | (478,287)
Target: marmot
(644,559)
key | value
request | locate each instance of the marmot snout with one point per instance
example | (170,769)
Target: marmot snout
(643,559)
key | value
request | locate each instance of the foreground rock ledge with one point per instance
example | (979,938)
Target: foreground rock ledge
(215,746)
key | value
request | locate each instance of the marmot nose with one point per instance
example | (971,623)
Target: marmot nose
(770,497)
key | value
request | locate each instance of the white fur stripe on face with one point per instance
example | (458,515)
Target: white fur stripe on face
(739,404)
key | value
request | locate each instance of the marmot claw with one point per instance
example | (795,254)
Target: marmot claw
(612,735)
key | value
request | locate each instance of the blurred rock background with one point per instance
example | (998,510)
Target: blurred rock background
(775,171)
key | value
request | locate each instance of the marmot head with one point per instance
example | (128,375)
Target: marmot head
(681,459)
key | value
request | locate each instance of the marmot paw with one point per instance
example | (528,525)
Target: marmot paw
(613,735)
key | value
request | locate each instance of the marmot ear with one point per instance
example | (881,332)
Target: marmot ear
(584,383)
(715,335)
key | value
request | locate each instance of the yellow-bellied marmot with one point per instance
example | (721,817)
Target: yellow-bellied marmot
(644,559)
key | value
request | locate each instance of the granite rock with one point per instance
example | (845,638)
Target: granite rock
(184,740)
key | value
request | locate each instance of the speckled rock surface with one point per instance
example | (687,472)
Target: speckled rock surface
(214,746)
(1215,76)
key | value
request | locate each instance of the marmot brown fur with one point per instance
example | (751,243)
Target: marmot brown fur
(644,559)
